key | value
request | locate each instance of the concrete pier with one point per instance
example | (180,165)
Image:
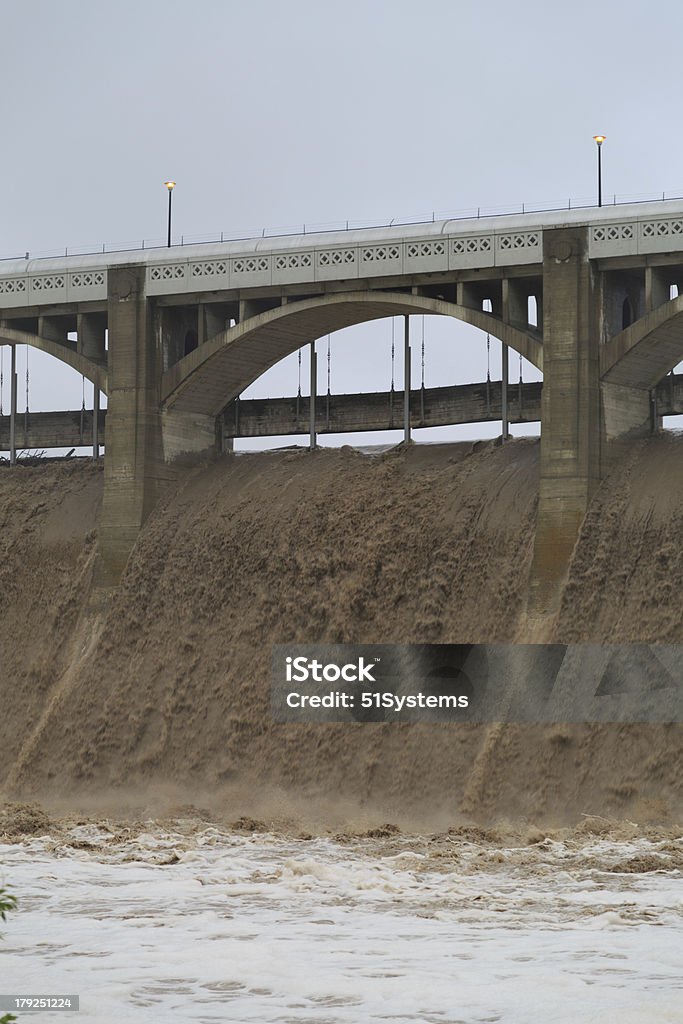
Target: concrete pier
(133,465)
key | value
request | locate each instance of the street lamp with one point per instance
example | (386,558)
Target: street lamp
(599,139)
(170,185)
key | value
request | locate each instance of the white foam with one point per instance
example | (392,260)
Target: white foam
(263,929)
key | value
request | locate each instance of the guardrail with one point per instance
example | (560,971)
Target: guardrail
(285,231)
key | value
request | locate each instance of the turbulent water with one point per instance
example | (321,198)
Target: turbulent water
(170,680)
(195,922)
(161,695)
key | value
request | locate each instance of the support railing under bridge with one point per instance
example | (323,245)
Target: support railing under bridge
(46,430)
(335,414)
(340,414)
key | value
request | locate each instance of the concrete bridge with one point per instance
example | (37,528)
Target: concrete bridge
(174,336)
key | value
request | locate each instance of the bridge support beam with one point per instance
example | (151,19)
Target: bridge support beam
(96,422)
(313,440)
(626,413)
(55,328)
(13,409)
(134,465)
(570,410)
(505,416)
(406,379)
(584,421)
(90,328)
(212,321)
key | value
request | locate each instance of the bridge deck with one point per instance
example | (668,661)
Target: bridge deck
(342,256)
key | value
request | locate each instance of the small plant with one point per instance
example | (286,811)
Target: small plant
(7,902)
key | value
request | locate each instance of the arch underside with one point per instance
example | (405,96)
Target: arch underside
(642,354)
(208,378)
(94,372)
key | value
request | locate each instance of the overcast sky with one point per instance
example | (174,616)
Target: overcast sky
(274,113)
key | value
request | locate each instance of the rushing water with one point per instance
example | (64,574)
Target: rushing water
(172,923)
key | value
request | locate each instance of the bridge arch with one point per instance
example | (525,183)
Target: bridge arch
(205,380)
(642,354)
(94,372)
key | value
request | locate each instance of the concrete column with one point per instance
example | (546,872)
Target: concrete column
(13,409)
(96,422)
(252,307)
(211,323)
(53,327)
(657,287)
(133,466)
(583,421)
(474,294)
(314,395)
(570,411)
(90,328)
(505,416)
(627,412)
(515,301)
(468,294)
(406,379)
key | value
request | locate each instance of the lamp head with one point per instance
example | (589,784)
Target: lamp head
(170,185)
(599,139)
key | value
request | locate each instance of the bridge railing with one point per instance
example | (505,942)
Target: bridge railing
(356,224)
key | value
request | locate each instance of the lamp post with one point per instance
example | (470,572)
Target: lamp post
(599,139)
(170,185)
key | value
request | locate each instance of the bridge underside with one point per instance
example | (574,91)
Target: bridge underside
(640,355)
(93,368)
(216,372)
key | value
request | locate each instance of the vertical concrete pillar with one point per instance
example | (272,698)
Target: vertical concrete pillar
(252,307)
(515,301)
(211,323)
(657,287)
(314,395)
(90,328)
(406,379)
(96,421)
(13,409)
(626,413)
(53,327)
(133,466)
(505,415)
(468,295)
(177,327)
(570,413)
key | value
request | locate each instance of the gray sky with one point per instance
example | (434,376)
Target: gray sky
(272,113)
